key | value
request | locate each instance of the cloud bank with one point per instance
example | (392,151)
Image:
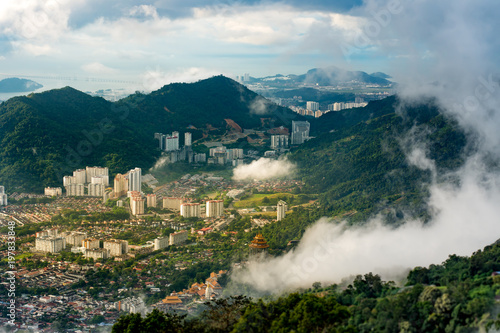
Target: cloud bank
(263,169)
(465,220)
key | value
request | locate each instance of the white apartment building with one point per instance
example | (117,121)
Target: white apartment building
(173,203)
(53,191)
(3,197)
(68,180)
(281,209)
(116,247)
(178,237)
(96,190)
(137,205)
(134,180)
(97,254)
(312,106)
(160,243)
(214,208)
(339,106)
(104,180)
(300,131)
(200,158)
(187,139)
(74,238)
(171,142)
(190,210)
(75,190)
(91,243)
(151,200)
(234,154)
(80,176)
(49,244)
(53,232)
(279,141)
(96,172)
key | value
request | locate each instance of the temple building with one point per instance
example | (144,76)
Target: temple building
(258,245)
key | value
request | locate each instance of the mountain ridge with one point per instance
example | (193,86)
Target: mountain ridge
(327,76)
(46,135)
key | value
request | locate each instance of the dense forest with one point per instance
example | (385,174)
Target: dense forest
(45,136)
(459,295)
(361,163)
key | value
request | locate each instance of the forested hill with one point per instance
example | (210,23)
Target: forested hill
(207,102)
(360,164)
(47,135)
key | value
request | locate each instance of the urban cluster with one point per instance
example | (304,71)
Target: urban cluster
(313,109)
(169,143)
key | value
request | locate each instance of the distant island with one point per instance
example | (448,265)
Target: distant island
(14,85)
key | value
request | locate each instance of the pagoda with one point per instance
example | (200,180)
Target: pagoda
(258,245)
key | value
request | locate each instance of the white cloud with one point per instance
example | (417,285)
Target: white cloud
(466,220)
(153,79)
(40,20)
(145,10)
(264,168)
(97,68)
(36,50)
(270,25)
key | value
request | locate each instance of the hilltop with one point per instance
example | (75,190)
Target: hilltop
(203,104)
(14,84)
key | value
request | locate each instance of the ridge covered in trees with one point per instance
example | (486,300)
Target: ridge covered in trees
(459,295)
(358,161)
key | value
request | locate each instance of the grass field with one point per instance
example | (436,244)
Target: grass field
(269,214)
(23,255)
(272,199)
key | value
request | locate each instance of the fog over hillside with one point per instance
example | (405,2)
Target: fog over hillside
(455,64)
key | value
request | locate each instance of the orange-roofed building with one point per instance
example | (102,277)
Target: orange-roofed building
(258,244)
(172,301)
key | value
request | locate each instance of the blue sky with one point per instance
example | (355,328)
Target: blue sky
(152,43)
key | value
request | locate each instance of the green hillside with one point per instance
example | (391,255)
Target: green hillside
(207,102)
(47,135)
(359,162)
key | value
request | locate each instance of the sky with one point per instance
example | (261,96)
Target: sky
(146,44)
(150,43)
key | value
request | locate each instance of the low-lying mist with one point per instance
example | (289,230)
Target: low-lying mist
(263,169)
(465,219)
